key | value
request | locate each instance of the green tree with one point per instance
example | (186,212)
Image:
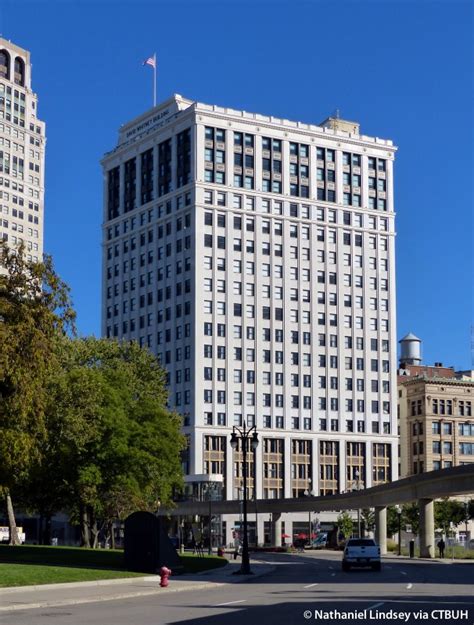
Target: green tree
(392,521)
(470,509)
(35,310)
(345,524)
(411,516)
(367,516)
(447,511)
(114,446)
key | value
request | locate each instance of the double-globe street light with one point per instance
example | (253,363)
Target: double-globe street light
(248,437)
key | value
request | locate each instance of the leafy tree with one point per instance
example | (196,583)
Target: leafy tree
(411,516)
(447,511)
(470,509)
(367,516)
(35,310)
(345,524)
(113,447)
(392,520)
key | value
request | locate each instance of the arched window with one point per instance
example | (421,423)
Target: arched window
(19,72)
(4,64)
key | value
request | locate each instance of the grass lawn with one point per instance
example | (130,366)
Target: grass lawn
(460,553)
(63,556)
(28,565)
(35,574)
(195,564)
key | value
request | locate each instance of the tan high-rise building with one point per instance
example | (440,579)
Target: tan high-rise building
(22,150)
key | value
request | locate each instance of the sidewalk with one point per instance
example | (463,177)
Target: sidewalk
(445,560)
(55,595)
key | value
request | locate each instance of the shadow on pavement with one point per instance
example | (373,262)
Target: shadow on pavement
(298,612)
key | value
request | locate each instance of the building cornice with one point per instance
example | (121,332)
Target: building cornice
(436,380)
(299,128)
(258,122)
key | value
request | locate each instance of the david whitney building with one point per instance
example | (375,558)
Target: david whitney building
(255,256)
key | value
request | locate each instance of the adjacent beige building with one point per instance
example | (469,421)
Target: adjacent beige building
(436,421)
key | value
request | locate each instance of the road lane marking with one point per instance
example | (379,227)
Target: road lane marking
(376,605)
(333,574)
(310,585)
(403,572)
(231,602)
(409,586)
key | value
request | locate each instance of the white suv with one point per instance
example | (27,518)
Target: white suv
(361,552)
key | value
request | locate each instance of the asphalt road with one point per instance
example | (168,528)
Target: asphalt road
(308,588)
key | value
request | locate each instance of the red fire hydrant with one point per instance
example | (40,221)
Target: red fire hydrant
(165,572)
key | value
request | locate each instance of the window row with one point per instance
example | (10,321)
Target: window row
(291,209)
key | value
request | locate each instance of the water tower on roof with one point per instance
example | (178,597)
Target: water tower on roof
(410,350)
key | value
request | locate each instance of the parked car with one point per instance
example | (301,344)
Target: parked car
(361,552)
(320,542)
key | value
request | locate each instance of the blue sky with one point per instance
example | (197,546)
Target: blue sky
(402,69)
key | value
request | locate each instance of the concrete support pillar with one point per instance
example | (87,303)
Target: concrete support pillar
(427,538)
(381,528)
(276,529)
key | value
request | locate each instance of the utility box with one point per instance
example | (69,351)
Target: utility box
(147,546)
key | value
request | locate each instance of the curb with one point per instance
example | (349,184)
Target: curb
(201,585)
(91,584)
(437,560)
(100,598)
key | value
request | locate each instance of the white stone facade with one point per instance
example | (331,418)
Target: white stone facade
(264,303)
(22,154)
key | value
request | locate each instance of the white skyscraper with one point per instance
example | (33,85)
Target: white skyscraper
(22,149)
(256,257)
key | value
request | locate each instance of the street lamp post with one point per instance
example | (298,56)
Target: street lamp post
(209,495)
(309,493)
(399,513)
(358,486)
(466,521)
(210,489)
(246,436)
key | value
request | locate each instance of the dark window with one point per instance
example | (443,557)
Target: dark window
(164,167)
(183,156)
(147,176)
(113,191)
(4,64)
(19,72)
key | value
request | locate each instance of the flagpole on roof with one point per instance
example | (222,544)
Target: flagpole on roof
(151,61)
(154,80)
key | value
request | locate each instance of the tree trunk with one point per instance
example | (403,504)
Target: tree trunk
(84,521)
(94,529)
(112,535)
(40,529)
(13,532)
(47,529)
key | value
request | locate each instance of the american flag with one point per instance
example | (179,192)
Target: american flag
(151,61)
